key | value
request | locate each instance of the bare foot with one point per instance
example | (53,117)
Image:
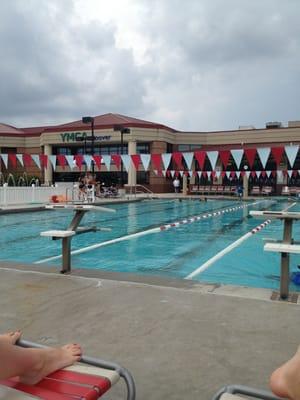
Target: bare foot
(10,337)
(52,359)
(285,380)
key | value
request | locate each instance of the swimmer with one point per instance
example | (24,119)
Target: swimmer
(31,365)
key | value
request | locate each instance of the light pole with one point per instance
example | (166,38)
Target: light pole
(90,120)
(123,131)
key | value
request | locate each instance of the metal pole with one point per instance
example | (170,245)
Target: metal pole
(285,260)
(93,148)
(122,179)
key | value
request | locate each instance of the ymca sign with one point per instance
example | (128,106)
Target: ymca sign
(68,137)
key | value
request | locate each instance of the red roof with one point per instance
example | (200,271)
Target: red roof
(9,130)
(109,120)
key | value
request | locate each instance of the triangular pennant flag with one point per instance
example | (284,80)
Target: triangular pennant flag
(88,161)
(126,161)
(223,173)
(20,158)
(166,158)
(247,174)
(279,174)
(78,160)
(263,174)
(264,153)
(238,174)
(232,174)
(164,172)
(97,159)
(106,160)
(181,173)
(242,173)
(199,174)
(61,160)
(188,158)
(145,158)
(290,173)
(70,161)
(218,174)
(277,153)
(5,160)
(156,160)
(177,157)
(291,153)
(53,161)
(224,157)
(295,173)
(258,173)
(200,157)
(135,158)
(155,171)
(44,160)
(36,159)
(116,158)
(228,173)
(208,173)
(268,173)
(172,172)
(13,159)
(253,174)
(213,156)
(27,160)
(274,174)
(250,155)
(237,155)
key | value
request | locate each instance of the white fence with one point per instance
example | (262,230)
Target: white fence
(10,195)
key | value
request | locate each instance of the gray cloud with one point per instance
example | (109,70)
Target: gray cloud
(54,69)
(210,64)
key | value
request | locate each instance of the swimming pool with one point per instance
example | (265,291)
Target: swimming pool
(174,252)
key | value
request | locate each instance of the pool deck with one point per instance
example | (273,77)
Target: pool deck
(180,339)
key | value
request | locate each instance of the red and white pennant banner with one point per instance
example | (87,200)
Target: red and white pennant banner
(165,161)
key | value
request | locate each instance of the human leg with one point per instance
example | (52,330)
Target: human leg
(285,380)
(32,365)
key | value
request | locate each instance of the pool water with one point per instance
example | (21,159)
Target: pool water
(176,252)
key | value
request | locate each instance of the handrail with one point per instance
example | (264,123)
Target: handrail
(145,188)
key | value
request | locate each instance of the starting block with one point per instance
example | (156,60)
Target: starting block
(73,229)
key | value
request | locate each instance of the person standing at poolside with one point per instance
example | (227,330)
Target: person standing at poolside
(176,184)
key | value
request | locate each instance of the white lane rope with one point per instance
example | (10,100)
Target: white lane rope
(152,230)
(227,249)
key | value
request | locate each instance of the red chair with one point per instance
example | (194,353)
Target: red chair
(87,380)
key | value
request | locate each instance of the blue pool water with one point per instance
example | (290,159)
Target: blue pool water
(172,253)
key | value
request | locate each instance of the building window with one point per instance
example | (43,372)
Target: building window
(189,147)
(8,150)
(142,148)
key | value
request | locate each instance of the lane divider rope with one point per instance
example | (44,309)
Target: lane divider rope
(150,231)
(227,249)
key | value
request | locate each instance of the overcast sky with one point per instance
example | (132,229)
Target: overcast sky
(195,65)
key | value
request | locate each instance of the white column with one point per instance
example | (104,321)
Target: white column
(132,171)
(48,171)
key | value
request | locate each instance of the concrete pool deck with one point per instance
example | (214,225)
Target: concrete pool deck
(179,339)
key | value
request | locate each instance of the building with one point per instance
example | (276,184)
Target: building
(268,155)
